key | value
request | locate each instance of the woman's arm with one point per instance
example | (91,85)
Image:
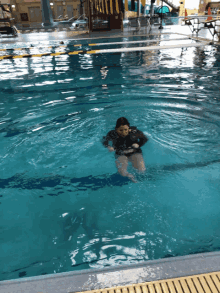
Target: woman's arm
(142,138)
(106,139)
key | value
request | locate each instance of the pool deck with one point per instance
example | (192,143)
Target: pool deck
(62,36)
(175,274)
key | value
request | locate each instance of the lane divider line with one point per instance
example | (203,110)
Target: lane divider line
(76,52)
(31,48)
(125,36)
(136,42)
(57,54)
(37,55)
(148,48)
(97,44)
(111,37)
(117,50)
(92,52)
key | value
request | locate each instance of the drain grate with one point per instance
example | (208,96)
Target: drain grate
(205,283)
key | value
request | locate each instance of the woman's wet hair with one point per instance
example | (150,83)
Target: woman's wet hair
(122,121)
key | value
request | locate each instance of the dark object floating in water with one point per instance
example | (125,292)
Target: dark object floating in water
(22,274)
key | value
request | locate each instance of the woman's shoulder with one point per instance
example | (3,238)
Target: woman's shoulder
(136,131)
(112,133)
(133,129)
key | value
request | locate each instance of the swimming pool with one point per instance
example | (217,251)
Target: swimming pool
(64,207)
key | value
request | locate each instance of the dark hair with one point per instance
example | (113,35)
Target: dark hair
(122,121)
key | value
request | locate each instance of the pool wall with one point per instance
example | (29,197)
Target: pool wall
(87,280)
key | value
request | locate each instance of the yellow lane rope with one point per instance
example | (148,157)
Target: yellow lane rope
(75,52)
(106,51)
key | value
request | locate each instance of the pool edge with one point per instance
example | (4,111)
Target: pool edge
(85,280)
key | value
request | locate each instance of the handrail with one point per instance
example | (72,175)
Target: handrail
(7,19)
(168,2)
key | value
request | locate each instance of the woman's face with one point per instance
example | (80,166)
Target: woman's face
(123,130)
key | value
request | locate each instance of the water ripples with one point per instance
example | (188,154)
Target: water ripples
(54,113)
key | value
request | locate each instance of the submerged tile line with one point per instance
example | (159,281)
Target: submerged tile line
(203,283)
(116,50)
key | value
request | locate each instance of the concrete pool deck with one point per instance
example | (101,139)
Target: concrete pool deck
(175,274)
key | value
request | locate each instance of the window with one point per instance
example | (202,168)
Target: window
(24,16)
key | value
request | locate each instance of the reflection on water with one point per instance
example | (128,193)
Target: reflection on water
(64,206)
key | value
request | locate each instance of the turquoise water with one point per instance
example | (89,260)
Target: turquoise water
(63,205)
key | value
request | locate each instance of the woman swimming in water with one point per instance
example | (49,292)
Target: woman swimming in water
(126,142)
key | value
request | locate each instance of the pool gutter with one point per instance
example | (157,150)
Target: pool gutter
(87,280)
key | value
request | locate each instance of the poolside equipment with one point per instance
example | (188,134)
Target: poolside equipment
(106,7)
(132,5)
(209,14)
(196,25)
(161,10)
(7,23)
(116,6)
(105,14)
(111,6)
(185,14)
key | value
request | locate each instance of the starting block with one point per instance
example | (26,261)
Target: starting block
(193,23)
(213,25)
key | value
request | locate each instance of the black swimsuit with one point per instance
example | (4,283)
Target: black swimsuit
(120,144)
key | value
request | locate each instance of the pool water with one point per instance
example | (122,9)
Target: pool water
(63,205)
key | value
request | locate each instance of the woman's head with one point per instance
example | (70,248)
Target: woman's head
(122,126)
